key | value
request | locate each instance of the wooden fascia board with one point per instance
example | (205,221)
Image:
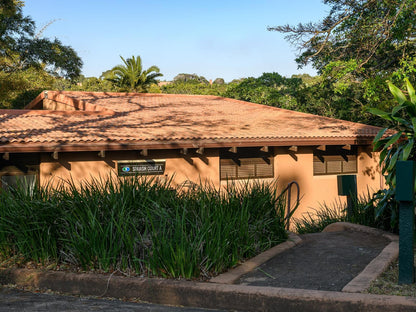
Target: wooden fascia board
(157,145)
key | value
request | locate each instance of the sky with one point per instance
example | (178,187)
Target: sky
(212,38)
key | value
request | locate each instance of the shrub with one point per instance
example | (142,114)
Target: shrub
(141,226)
(361,213)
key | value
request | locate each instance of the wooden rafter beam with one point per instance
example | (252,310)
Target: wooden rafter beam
(233,149)
(347,147)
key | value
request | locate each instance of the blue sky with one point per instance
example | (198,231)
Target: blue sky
(213,38)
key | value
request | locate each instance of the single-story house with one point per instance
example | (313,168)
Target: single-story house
(63,134)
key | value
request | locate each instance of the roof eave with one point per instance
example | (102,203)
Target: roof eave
(171,144)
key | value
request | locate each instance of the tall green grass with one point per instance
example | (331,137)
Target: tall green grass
(142,226)
(362,212)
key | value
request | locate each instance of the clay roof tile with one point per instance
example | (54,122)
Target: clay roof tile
(131,118)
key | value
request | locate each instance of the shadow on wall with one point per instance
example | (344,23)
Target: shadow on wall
(373,171)
(370,172)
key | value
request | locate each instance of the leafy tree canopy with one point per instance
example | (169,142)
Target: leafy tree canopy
(377,35)
(219,81)
(190,78)
(21,48)
(356,48)
(270,89)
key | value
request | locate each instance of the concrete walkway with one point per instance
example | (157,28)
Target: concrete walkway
(234,291)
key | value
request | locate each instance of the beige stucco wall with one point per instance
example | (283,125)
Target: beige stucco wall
(288,167)
(81,166)
(316,190)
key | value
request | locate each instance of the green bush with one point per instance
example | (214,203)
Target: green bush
(362,212)
(141,226)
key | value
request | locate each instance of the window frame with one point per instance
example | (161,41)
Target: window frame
(335,154)
(241,162)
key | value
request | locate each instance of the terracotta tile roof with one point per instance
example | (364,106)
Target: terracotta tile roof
(134,121)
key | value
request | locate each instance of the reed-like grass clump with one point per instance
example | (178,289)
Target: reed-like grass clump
(141,226)
(362,211)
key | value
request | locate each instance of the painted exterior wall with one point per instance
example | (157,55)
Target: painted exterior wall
(288,167)
(318,189)
(81,166)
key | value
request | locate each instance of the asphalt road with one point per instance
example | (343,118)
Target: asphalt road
(17,300)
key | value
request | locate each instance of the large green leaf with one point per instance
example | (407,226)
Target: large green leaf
(410,108)
(402,122)
(397,109)
(380,113)
(381,133)
(380,143)
(393,139)
(397,93)
(407,149)
(386,161)
(383,155)
(411,92)
(393,161)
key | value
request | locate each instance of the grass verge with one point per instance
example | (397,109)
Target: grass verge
(387,284)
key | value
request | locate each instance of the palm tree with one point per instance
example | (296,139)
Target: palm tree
(131,76)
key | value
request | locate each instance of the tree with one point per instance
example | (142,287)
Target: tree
(270,89)
(18,88)
(395,142)
(28,62)
(194,87)
(190,78)
(131,76)
(219,81)
(357,47)
(21,48)
(376,34)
